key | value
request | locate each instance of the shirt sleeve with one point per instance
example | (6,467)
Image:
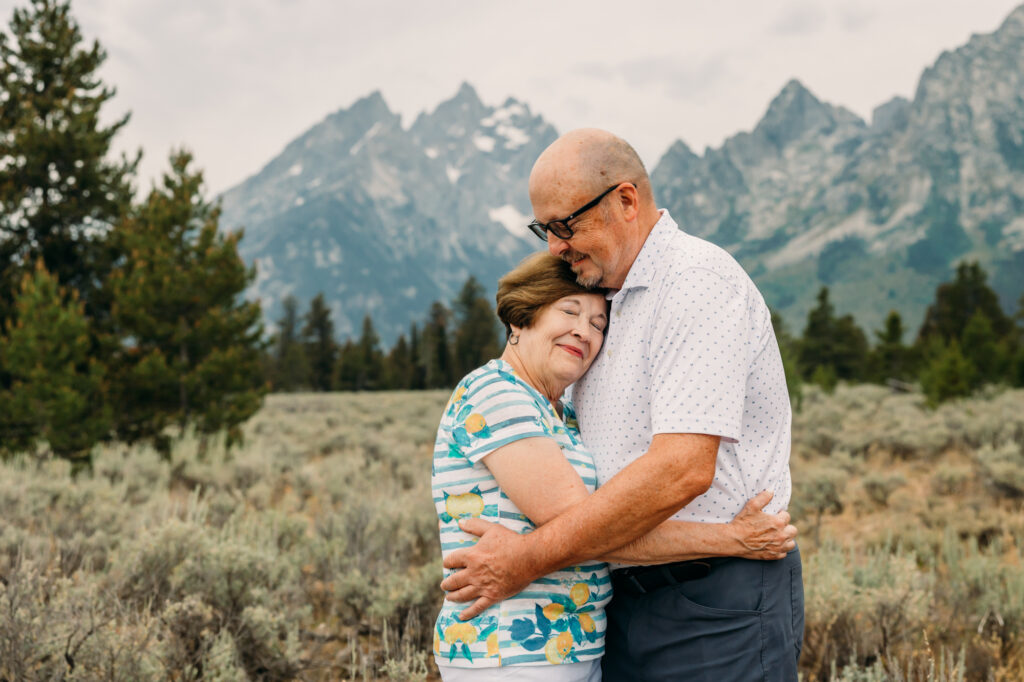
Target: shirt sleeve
(699,356)
(495,412)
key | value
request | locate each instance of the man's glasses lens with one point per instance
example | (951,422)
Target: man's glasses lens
(557,227)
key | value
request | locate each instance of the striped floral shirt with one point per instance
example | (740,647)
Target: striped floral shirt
(558,618)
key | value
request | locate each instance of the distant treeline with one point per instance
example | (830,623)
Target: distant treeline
(965,341)
(435,354)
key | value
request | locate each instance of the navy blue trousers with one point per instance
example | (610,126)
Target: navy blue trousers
(743,621)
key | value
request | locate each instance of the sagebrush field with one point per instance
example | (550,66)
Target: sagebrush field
(311,551)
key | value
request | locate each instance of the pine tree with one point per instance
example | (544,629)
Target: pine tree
(956,303)
(57,390)
(476,331)
(290,366)
(436,351)
(418,376)
(890,359)
(398,366)
(59,193)
(190,347)
(837,346)
(991,356)
(814,347)
(321,348)
(370,358)
(346,374)
(948,374)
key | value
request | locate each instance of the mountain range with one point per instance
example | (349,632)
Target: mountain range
(385,219)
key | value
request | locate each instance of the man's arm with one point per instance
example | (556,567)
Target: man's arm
(676,469)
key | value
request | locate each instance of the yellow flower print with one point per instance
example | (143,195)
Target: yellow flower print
(437,643)
(558,648)
(475,423)
(579,593)
(459,392)
(553,611)
(460,632)
(587,623)
(492,645)
(466,504)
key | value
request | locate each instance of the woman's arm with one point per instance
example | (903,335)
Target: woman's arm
(537,477)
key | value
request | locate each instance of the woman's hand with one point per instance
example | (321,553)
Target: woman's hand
(760,535)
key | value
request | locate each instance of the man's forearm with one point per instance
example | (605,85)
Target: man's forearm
(631,504)
(678,541)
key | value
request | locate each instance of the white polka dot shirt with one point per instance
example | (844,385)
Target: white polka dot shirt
(690,349)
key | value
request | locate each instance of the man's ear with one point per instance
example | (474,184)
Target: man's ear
(629,201)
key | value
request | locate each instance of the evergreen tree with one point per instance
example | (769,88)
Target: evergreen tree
(988,354)
(398,366)
(837,346)
(59,193)
(890,359)
(290,366)
(436,351)
(321,348)
(190,346)
(948,374)
(418,376)
(370,359)
(814,347)
(476,331)
(956,303)
(346,374)
(56,391)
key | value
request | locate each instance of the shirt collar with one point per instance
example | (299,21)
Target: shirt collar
(641,273)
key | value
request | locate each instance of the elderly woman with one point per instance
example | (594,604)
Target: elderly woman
(508,450)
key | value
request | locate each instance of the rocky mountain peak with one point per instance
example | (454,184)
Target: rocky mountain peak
(793,113)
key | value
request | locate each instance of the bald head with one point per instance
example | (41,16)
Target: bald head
(585,162)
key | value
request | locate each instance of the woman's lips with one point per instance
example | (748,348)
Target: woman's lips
(570,349)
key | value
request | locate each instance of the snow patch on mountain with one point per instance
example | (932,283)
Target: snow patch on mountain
(509,217)
(483,142)
(453,173)
(514,137)
(295,170)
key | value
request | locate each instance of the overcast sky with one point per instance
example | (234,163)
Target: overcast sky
(236,80)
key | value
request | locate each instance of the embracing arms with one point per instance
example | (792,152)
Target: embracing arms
(622,521)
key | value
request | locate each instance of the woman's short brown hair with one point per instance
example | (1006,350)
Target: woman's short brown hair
(538,281)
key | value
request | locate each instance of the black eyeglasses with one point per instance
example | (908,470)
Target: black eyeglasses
(560,228)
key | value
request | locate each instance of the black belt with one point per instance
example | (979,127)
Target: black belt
(643,579)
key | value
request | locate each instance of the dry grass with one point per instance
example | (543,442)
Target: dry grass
(311,552)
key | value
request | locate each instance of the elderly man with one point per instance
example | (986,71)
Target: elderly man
(687,415)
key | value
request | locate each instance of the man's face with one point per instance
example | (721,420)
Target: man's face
(594,250)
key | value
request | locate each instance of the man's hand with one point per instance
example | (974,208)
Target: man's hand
(761,535)
(493,569)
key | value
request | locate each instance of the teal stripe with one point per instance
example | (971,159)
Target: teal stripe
(465,481)
(533,658)
(490,445)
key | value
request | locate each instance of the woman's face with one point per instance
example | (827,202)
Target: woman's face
(564,338)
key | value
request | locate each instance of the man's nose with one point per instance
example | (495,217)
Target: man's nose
(556,246)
